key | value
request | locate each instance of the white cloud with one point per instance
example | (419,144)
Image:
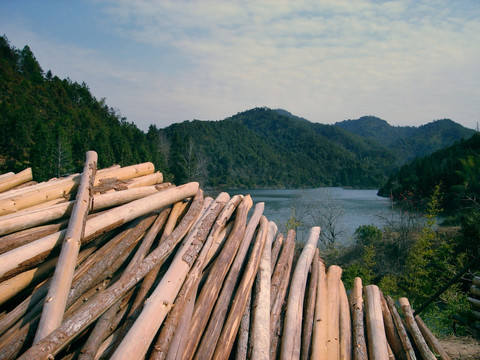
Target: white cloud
(325,60)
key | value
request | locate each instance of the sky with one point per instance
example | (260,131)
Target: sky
(163,62)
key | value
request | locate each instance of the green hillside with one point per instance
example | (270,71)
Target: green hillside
(49,123)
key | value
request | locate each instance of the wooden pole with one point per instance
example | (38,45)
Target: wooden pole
(230,328)
(358,330)
(58,189)
(402,332)
(28,255)
(279,287)
(87,314)
(261,312)
(292,329)
(334,275)
(206,299)
(54,306)
(307,327)
(212,332)
(391,331)
(345,325)
(319,341)
(17,179)
(414,330)
(137,341)
(431,339)
(377,340)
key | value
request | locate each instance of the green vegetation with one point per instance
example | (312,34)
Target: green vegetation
(49,123)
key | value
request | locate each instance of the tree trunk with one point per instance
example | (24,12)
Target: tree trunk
(87,314)
(402,332)
(358,329)
(137,341)
(54,306)
(431,339)
(345,325)
(279,287)
(28,255)
(230,328)
(209,293)
(212,332)
(391,331)
(414,330)
(292,330)
(377,340)
(307,328)
(10,182)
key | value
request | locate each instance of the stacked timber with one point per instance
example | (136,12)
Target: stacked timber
(115,264)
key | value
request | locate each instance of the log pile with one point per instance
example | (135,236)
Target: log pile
(116,264)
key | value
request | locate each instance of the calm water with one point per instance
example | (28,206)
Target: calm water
(350,208)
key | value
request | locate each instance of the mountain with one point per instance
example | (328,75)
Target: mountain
(455,168)
(49,123)
(408,142)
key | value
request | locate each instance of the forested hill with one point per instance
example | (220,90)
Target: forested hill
(455,168)
(408,142)
(49,123)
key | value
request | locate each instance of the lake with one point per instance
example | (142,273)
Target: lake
(347,209)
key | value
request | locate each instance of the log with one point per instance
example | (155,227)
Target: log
(431,340)
(12,241)
(345,325)
(307,327)
(33,253)
(261,312)
(391,331)
(10,182)
(137,341)
(61,187)
(209,293)
(212,332)
(414,330)
(377,339)
(186,297)
(11,287)
(279,287)
(358,330)
(319,341)
(402,332)
(243,333)
(277,245)
(54,306)
(474,290)
(6,175)
(104,323)
(87,314)
(334,275)
(230,328)
(292,329)
(475,303)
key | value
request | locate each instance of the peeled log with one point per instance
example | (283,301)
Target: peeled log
(87,314)
(35,252)
(431,339)
(414,330)
(137,341)
(358,329)
(292,329)
(261,313)
(54,306)
(307,327)
(10,182)
(319,341)
(279,286)
(377,340)
(232,323)
(345,325)
(212,332)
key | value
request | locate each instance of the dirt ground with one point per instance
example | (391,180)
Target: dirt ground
(464,348)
